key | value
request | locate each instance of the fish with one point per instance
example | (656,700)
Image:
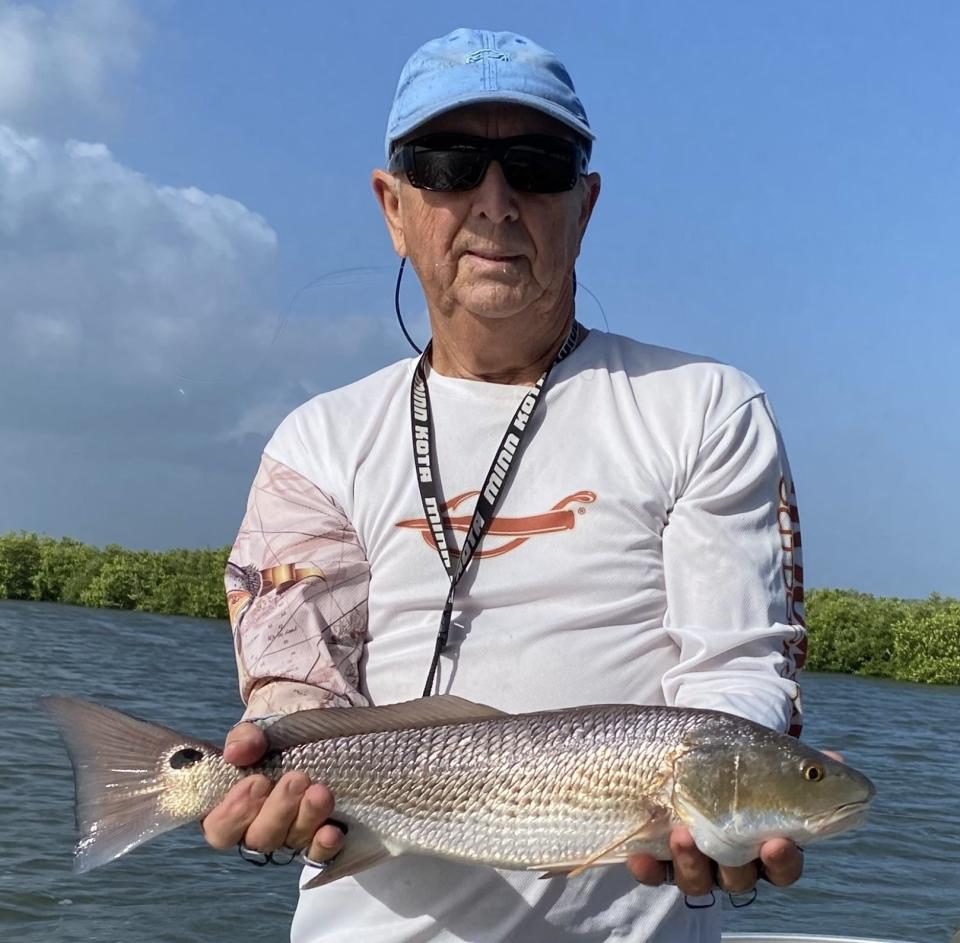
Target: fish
(555,791)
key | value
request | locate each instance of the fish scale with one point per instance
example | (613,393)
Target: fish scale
(512,792)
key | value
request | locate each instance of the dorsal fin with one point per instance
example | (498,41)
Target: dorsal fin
(324,723)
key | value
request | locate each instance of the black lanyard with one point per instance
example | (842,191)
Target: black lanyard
(424,457)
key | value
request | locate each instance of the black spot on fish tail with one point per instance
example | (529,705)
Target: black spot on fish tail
(185,757)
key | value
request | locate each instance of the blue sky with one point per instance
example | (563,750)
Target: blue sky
(781,191)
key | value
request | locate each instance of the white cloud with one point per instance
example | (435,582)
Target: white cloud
(143,317)
(59,63)
(111,287)
(143,279)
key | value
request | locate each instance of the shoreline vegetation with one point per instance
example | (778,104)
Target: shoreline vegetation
(849,632)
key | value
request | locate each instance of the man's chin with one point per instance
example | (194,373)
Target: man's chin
(496,298)
(495,308)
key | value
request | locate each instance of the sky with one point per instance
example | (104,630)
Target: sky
(189,246)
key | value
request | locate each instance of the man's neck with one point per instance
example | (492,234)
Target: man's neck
(509,350)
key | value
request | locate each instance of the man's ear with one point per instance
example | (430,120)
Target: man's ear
(590,196)
(386,189)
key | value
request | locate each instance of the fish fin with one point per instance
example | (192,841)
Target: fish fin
(555,871)
(606,850)
(117,765)
(362,849)
(649,828)
(573,868)
(325,723)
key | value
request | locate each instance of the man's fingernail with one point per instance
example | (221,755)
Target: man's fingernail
(235,746)
(260,788)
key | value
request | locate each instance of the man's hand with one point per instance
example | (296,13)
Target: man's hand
(782,862)
(265,817)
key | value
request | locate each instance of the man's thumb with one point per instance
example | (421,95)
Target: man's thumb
(245,744)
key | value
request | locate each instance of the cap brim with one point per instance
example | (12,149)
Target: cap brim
(419,118)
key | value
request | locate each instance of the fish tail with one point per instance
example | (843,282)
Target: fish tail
(119,777)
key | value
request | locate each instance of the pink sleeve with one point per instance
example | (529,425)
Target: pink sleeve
(296,588)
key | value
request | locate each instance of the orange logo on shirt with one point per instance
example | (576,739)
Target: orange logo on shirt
(516,530)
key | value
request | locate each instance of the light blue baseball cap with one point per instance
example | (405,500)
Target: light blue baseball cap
(472,65)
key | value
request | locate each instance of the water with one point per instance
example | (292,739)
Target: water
(897,878)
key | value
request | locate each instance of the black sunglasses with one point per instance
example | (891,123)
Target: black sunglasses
(532,163)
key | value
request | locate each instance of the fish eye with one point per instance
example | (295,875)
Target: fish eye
(185,757)
(812,771)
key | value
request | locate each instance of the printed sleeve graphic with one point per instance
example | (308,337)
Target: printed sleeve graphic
(297,595)
(795,647)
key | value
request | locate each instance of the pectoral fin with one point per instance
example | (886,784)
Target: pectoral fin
(362,849)
(572,869)
(650,829)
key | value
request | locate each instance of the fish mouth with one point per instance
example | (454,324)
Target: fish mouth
(839,819)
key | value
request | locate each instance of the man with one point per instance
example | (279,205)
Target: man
(643,548)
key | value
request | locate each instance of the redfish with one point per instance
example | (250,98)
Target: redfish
(553,791)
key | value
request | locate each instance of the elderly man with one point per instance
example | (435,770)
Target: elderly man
(634,542)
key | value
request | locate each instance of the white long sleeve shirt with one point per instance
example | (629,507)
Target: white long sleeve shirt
(646,551)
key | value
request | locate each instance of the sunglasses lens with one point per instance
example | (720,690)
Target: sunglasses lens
(535,169)
(448,166)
